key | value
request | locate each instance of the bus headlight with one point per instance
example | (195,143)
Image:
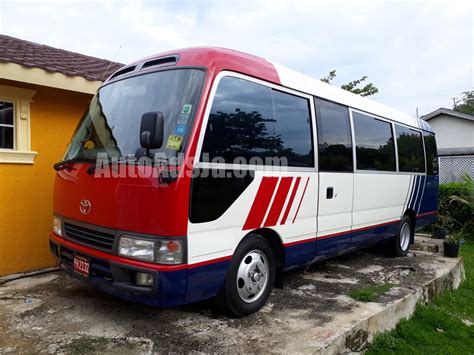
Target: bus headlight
(161,251)
(57,226)
(137,248)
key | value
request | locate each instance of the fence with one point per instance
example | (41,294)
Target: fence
(451,168)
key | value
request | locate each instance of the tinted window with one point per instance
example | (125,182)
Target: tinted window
(212,194)
(334,137)
(374,143)
(249,120)
(293,129)
(431,154)
(410,150)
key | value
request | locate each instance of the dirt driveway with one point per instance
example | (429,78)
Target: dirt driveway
(55,313)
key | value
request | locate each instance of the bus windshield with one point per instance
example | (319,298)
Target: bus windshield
(111,124)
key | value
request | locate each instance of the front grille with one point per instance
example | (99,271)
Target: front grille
(89,237)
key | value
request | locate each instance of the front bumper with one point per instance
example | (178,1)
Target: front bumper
(115,275)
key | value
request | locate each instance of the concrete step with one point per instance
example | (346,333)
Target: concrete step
(426,243)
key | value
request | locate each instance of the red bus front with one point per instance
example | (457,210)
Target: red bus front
(121,211)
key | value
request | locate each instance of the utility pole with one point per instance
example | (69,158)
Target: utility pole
(417,116)
(454,102)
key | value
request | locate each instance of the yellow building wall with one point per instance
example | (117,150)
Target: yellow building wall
(26,191)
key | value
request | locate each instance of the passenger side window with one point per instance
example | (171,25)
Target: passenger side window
(256,123)
(293,136)
(410,150)
(375,149)
(334,137)
(431,154)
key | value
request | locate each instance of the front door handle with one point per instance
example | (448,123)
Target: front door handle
(329,193)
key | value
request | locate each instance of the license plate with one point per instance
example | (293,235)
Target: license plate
(81,265)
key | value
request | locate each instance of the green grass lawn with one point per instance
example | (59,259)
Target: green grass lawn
(437,328)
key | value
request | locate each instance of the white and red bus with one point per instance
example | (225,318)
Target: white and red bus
(207,172)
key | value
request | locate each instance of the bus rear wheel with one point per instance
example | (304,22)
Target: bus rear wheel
(403,238)
(250,277)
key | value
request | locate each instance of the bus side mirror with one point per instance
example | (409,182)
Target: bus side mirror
(151,130)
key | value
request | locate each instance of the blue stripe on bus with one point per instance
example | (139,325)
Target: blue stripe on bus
(416,195)
(413,191)
(422,191)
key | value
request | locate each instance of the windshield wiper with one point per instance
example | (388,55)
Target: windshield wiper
(66,163)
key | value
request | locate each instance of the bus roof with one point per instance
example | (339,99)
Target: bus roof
(218,59)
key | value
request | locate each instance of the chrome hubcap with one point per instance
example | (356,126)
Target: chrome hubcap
(405,234)
(252,276)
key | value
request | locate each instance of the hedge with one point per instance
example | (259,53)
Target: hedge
(461,214)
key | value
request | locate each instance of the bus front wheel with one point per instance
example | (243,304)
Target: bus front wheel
(250,277)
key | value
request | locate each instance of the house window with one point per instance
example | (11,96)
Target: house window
(7,127)
(15,147)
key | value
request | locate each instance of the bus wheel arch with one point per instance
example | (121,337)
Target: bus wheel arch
(277,245)
(412,215)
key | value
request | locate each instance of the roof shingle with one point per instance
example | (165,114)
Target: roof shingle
(34,55)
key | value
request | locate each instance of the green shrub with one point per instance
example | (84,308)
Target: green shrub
(456,207)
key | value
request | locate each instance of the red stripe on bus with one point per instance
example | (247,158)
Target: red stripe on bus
(290,201)
(301,200)
(426,214)
(278,202)
(375,226)
(300,242)
(340,233)
(334,234)
(208,262)
(260,203)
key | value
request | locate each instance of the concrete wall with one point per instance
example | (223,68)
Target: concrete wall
(26,190)
(452,132)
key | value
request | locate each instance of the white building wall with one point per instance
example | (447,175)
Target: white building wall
(452,132)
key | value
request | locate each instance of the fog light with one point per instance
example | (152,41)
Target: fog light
(143,279)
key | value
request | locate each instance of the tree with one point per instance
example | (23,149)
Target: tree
(367,90)
(466,103)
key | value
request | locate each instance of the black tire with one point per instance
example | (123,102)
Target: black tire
(228,299)
(400,245)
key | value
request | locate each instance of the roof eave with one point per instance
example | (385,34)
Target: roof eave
(448,112)
(38,76)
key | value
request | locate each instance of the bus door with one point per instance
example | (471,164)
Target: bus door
(379,191)
(336,178)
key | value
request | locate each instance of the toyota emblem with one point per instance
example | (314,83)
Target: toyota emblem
(85,206)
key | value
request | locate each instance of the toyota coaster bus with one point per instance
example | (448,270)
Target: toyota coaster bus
(207,172)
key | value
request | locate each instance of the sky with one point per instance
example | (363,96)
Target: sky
(418,53)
